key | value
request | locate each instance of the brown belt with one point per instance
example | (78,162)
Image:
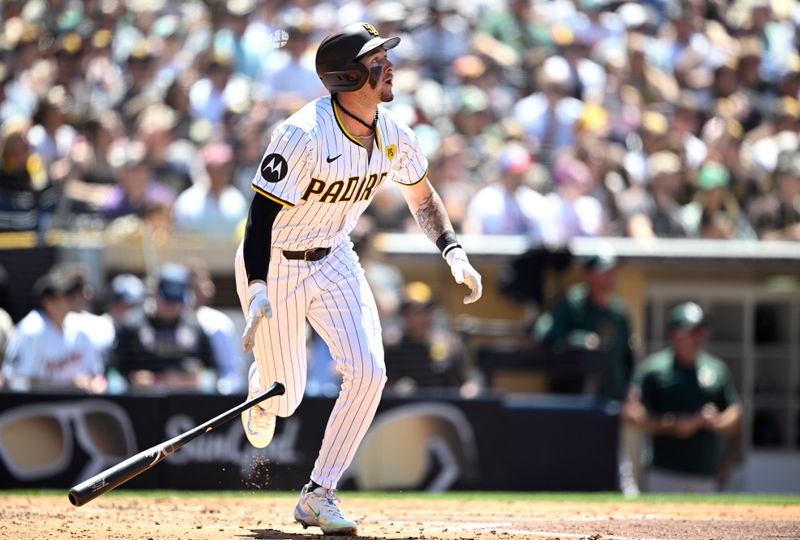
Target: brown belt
(313,254)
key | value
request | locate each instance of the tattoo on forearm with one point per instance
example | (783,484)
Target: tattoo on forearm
(432,218)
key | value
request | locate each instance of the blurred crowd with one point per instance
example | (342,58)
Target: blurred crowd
(551,119)
(146,335)
(548,119)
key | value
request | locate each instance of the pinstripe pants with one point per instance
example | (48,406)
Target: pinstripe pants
(333,295)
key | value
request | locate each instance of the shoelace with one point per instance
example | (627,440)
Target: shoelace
(331,498)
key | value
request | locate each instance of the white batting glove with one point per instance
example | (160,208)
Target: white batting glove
(259,308)
(463,272)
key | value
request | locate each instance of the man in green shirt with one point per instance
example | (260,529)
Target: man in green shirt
(684,398)
(591,317)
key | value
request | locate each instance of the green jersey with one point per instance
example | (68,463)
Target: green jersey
(669,387)
(574,317)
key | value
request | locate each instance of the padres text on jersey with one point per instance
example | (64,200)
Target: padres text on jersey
(312,158)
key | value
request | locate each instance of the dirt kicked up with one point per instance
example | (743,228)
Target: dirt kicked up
(134,516)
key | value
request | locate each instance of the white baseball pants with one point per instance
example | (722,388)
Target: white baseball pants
(333,295)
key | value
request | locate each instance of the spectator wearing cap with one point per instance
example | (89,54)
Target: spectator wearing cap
(70,54)
(162,346)
(214,208)
(99,329)
(653,211)
(714,212)
(126,292)
(509,205)
(776,215)
(140,70)
(472,115)
(427,355)
(168,156)
(684,398)
(136,192)
(103,80)
(48,349)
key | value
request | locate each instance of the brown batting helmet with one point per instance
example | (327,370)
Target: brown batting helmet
(339,53)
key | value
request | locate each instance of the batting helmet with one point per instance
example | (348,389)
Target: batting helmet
(339,53)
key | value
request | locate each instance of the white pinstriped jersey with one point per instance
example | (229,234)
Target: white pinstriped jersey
(323,176)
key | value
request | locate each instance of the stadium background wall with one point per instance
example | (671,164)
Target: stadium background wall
(426,443)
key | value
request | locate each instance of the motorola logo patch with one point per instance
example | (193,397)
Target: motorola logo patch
(274,168)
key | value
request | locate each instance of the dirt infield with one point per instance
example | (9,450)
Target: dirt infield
(270,517)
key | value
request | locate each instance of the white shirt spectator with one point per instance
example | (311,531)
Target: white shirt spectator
(40,351)
(496,211)
(214,208)
(197,211)
(532,112)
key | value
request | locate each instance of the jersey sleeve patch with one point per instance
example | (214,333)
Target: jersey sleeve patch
(273,168)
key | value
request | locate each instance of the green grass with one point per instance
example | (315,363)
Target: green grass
(601,497)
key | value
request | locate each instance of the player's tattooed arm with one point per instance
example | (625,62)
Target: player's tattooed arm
(432,217)
(428,209)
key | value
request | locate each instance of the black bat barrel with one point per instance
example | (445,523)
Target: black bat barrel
(135,465)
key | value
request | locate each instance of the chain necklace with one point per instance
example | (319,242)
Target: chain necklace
(359,120)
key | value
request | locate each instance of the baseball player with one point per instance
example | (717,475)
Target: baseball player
(296,262)
(49,349)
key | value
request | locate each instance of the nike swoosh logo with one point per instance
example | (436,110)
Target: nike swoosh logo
(330,159)
(316,514)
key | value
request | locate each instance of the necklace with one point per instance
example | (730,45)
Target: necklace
(357,119)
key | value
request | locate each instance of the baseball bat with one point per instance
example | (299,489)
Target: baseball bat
(135,465)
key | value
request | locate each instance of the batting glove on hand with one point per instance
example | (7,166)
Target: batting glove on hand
(259,308)
(463,272)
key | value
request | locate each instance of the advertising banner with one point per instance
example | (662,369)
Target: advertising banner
(421,443)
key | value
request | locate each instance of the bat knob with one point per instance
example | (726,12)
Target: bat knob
(279,388)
